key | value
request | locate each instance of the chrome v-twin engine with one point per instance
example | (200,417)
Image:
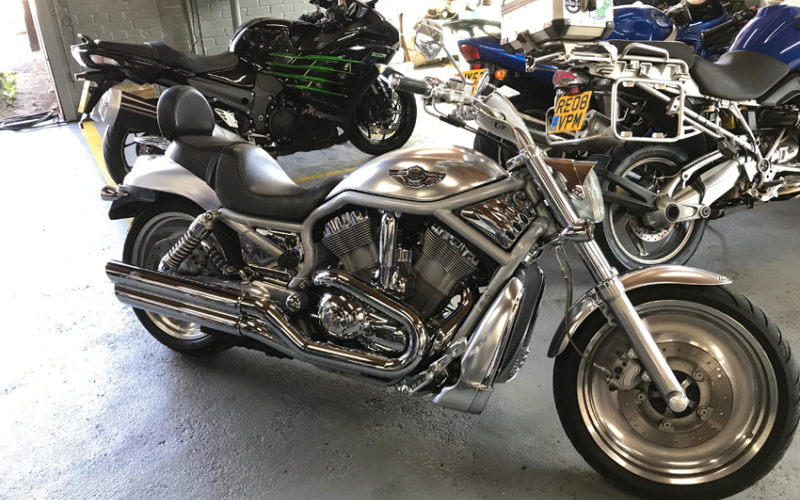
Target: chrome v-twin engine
(424,276)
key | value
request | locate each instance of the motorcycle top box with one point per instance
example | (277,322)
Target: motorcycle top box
(541,21)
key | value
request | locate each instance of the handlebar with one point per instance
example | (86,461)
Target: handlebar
(402,83)
(719,36)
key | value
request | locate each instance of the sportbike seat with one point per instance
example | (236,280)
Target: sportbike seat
(162,52)
(739,75)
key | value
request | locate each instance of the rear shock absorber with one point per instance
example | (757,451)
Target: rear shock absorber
(197,232)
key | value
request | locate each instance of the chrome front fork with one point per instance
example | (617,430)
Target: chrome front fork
(609,289)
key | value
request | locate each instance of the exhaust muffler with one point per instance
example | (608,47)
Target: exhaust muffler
(256,310)
(133,111)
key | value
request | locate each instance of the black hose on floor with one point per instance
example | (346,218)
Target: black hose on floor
(29,121)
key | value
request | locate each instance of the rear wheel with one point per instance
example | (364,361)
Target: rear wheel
(738,373)
(152,234)
(120,151)
(628,242)
(376,129)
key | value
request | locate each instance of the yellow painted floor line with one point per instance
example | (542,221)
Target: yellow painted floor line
(320,176)
(95,142)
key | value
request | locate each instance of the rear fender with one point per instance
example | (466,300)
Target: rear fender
(661,275)
(162,175)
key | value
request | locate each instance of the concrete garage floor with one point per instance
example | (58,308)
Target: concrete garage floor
(92,407)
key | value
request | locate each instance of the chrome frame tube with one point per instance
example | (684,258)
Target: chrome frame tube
(387,253)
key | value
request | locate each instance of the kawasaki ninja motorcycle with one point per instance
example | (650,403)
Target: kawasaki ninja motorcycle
(418,272)
(284,86)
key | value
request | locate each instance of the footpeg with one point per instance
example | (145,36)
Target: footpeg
(410,385)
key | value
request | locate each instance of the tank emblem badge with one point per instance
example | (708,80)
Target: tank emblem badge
(416,177)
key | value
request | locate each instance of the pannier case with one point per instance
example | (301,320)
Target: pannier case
(529,24)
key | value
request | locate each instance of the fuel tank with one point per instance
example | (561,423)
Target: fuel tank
(640,22)
(422,174)
(773,32)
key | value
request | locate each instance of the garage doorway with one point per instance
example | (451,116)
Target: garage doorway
(26,88)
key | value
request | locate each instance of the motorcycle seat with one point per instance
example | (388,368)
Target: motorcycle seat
(186,119)
(739,75)
(676,50)
(191,62)
(174,58)
(250,181)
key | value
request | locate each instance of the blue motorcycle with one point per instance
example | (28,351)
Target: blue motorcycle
(705,26)
(741,111)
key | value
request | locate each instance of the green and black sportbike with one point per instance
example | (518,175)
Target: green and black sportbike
(287,86)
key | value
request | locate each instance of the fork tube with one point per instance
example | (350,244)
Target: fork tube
(610,289)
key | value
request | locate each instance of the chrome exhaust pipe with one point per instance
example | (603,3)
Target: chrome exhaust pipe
(254,310)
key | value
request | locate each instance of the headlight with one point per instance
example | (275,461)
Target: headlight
(588,201)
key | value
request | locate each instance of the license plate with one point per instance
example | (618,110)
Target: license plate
(474,75)
(87,92)
(569,113)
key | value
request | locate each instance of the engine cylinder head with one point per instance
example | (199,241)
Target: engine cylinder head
(443,263)
(352,237)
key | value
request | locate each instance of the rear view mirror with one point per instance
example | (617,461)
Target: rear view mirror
(429,39)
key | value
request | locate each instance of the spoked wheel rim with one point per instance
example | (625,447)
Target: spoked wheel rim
(640,243)
(157,236)
(727,377)
(382,129)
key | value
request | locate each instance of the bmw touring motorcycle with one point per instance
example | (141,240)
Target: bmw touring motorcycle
(418,271)
(702,140)
(285,86)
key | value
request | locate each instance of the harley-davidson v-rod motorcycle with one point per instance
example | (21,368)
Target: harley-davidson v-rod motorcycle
(418,271)
(287,86)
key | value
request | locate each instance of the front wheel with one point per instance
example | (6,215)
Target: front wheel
(738,373)
(376,129)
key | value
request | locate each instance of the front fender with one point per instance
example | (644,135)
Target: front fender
(660,275)
(160,174)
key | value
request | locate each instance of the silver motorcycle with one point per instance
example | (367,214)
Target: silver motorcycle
(418,271)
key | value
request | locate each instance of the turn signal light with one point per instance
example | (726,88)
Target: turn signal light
(500,74)
(470,52)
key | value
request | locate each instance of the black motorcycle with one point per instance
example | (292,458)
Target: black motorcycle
(287,86)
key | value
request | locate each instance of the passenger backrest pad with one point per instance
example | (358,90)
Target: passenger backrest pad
(182,111)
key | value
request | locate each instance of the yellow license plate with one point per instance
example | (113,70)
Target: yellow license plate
(87,90)
(474,75)
(569,113)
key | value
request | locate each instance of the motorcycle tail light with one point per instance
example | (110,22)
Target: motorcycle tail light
(566,79)
(470,52)
(474,66)
(106,61)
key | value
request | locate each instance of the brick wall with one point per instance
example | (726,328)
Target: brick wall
(139,21)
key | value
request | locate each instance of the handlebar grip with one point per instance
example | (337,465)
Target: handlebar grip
(402,83)
(716,34)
